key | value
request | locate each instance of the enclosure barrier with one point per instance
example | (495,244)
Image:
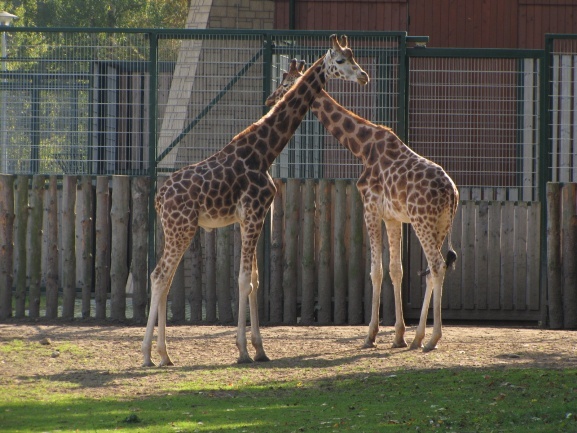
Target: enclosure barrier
(92,234)
(562,255)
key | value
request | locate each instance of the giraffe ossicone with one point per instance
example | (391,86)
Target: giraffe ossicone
(234,185)
(397,186)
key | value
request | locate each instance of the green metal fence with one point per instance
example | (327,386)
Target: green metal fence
(477,113)
(146,102)
(104,101)
(561,82)
(109,101)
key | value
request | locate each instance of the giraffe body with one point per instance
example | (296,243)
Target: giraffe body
(234,185)
(397,186)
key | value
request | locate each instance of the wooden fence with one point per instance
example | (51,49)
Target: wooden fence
(78,247)
(562,255)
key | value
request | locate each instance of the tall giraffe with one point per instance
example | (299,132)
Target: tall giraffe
(398,186)
(234,185)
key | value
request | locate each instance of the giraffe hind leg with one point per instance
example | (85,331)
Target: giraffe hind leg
(373,223)
(160,281)
(248,287)
(256,338)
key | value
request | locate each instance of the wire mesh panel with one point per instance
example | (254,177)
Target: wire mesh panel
(210,87)
(314,153)
(72,102)
(563,107)
(478,117)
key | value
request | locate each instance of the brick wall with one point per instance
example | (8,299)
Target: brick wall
(242,14)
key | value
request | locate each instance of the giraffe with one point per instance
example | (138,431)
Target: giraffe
(234,185)
(397,186)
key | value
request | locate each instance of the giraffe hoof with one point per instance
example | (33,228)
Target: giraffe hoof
(429,349)
(415,345)
(261,358)
(399,345)
(369,345)
(148,364)
(168,363)
(244,360)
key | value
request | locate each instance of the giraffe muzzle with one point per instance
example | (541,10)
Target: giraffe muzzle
(363,79)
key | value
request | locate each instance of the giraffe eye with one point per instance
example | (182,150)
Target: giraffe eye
(340,62)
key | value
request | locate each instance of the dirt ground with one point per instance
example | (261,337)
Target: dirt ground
(100,360)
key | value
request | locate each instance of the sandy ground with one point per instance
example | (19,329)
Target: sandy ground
(101,360)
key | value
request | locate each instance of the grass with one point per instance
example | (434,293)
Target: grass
(82,395)
(467,400)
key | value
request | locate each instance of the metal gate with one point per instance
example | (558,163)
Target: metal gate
(478,114)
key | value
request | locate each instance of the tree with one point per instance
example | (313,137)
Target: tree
(104,13)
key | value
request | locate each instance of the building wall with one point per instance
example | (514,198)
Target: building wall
(387,15)
(242,14)
(448,23)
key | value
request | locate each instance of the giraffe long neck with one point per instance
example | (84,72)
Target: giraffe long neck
(352,131)
(265,139)
(288,114)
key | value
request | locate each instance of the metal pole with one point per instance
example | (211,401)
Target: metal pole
(3,113)
(5,20)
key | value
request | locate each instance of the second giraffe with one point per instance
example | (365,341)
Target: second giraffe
(397,186)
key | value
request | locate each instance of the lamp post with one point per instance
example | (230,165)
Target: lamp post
(5,21)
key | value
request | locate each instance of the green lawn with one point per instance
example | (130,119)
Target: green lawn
(467,400)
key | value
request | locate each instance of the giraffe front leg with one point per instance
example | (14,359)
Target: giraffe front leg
(256,338)
(395,235)
(244,288)
(373,224)
(156,287)
(161,343)
(147,341)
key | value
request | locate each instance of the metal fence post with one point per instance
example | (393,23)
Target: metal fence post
(152,150)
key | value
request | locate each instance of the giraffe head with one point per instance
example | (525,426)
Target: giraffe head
(289,77)
(340,63)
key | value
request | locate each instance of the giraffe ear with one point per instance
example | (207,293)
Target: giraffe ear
(284,75)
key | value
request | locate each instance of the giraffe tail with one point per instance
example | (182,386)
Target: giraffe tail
(449,260)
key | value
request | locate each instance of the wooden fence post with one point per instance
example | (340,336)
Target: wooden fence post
(195,298)
(86,199)
(223,264)
(6,244)
(102,259)
(68,246)
(308,255)
(237,246)
(210,257)
(119,214)
(569,255)
(35,230)
(324,253)
(292,204)
(139,265)
(507,254)
(276,256)
(554,291)
(52,260)
(21,212)
(339,253)
(355,262)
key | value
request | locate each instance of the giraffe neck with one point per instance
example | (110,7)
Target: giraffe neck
(266,138)
(352,131)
